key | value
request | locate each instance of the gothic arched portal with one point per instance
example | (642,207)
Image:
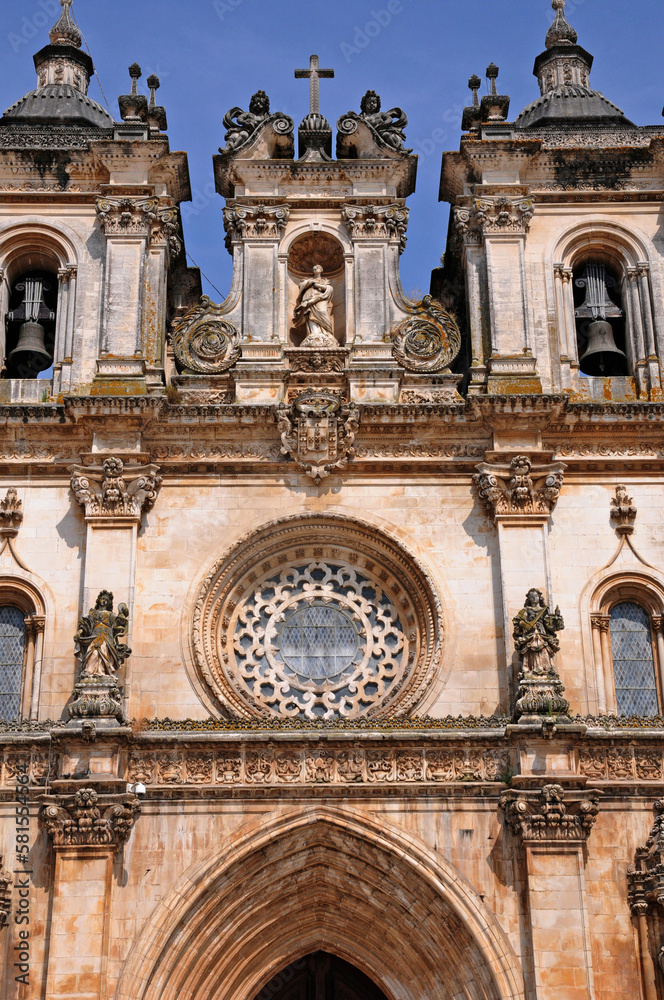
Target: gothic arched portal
(320,977)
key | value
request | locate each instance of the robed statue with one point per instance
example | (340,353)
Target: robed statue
(535,636)
(98,640)
(313,311)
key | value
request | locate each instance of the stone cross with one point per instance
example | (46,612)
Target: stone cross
(315,74)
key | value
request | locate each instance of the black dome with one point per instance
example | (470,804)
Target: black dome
(57,104)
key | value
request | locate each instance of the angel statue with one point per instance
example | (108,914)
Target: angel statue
(97,639)
(241,125)
(388,124)
(313,311)
(535,634)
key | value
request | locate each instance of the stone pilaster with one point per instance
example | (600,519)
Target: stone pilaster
(86,829)
(553,825)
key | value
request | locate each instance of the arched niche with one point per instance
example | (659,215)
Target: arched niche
(305,252)
(322,879)
(320,976)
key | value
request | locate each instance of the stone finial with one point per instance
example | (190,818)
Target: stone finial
(134,106)
(550,814)
(623,511)
(65,32)
(90,819)
(156,112)
(472,116)
(561,31)
(495,107)
(492,72)
(11,514)
(474,85)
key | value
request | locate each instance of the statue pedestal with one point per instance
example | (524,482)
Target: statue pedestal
(98,698)
(541,697)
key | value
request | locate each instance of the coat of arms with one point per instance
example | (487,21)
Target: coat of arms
(318,432)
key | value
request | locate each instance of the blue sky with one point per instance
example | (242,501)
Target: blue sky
(418,54)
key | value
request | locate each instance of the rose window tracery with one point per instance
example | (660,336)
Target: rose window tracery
(318,618)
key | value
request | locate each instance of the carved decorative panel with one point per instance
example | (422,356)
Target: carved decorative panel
(318,618)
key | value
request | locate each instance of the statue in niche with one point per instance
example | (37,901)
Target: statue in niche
(241,125)
(535,634)
(388,124)
(98,638)
(313,311)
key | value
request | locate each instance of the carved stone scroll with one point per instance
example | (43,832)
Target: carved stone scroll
(113,491)
(550,814)
(520,488)
(429,340)
(204,342)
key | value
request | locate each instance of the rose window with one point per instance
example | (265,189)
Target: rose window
(317,618)
(319,639)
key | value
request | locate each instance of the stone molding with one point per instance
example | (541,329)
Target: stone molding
(380,222)
(495,216)
(254,222)
(104,492)
(89,819)
(623,511)
(520,488)
(11,514)
(551,814)
(318,432)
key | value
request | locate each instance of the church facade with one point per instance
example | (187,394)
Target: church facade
(331,622)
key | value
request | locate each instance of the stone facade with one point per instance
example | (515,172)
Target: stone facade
(345,571)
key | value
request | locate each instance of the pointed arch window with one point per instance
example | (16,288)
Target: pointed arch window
(633,660)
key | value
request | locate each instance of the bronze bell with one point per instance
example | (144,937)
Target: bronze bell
(602,358)
(30,352)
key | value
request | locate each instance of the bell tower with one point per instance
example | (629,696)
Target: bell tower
(552,236)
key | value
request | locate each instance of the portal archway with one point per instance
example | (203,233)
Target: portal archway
(322,879)
(320,976)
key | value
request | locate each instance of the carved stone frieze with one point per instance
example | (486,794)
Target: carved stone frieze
(429,340)
(645,878)
(315,765)
(255,222)
(11,514)
(381,222)
(520,488)
(108,491)
(89,819)
(318,361)
(623,511)
(318,432)
(493,216)
(550,814)
(203,341)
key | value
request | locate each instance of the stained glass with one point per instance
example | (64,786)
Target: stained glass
(12,645)
(318,641)
(633,664)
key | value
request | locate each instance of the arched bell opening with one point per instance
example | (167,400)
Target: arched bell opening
(307,255)
(320,976)
(30,324)
(600,319)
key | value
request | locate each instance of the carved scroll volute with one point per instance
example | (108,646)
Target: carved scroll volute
(204,342)
(428,341)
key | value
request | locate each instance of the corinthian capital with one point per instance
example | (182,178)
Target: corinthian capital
(550,814)
(494,216)
(88,819)
(520,487)
(126,216)
(111,490)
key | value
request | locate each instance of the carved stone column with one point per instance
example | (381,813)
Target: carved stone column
(645,880)
(86,829)
(115,497)
(64,334)
(520,496)
(553,825)
(600,628)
